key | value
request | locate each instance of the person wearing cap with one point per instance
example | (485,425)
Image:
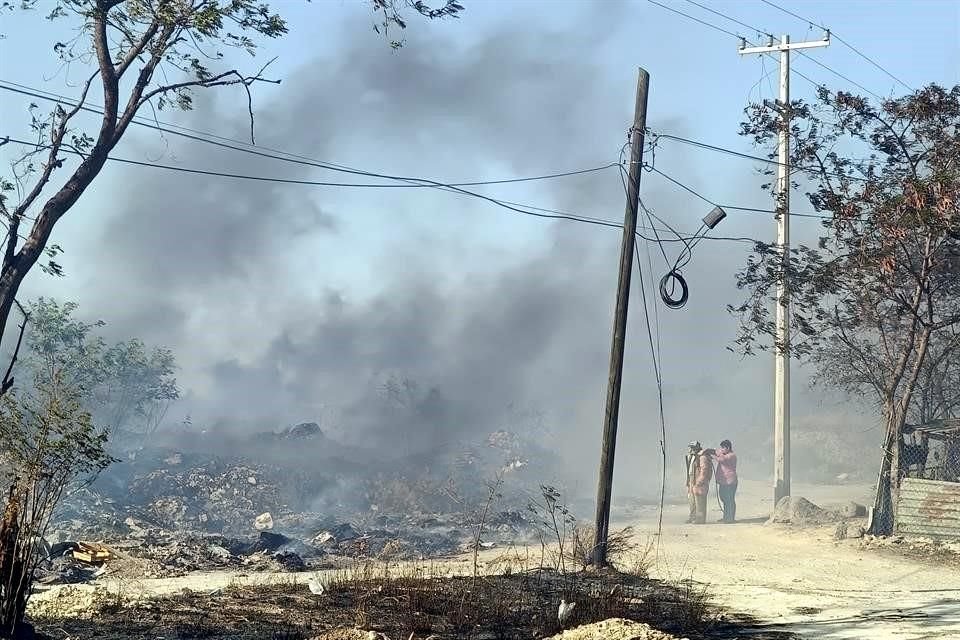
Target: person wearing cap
(691,464)
(701,483)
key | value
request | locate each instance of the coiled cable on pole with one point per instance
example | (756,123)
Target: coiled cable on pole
(668,286)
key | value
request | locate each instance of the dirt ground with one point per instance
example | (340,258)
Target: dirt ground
(793,581)
(803,581)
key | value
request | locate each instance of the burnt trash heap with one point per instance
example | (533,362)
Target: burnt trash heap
(261,508)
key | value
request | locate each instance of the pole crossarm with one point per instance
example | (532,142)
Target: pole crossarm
(783,45)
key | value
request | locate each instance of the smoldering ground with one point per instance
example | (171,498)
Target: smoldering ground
(287,303)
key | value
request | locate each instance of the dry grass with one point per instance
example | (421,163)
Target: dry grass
(624,551)
(399,601)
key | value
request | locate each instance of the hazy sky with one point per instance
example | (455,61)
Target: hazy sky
(287,303)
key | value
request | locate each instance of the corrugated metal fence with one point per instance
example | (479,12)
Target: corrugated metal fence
(929,508)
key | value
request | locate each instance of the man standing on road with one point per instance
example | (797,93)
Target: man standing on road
(701,483)
(727,480)
(691,465)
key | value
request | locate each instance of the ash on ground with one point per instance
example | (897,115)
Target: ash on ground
(288,501)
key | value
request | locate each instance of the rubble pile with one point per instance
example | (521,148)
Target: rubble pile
(213,495)
(262,508)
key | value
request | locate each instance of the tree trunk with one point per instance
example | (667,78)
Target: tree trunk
(888,482)
(9,562)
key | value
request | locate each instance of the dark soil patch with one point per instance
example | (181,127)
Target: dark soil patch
(521,605)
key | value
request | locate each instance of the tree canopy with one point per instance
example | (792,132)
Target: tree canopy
(876,303)
(125,386)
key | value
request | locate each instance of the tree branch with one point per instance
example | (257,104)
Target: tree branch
(856,351)
(900,369)
(135,101)
(225,79)
(915,374)
(137,48)
(52,160)
(8,376)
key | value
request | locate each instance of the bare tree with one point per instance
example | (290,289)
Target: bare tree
(882,287)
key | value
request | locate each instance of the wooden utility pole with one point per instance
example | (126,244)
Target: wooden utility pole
(612,412)
(781,395)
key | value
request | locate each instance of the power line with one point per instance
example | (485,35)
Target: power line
(841,40)
(658,374)
(411,182)
(220,174)
(790,13)
(699,195)
(736,35)
(877,65)
(302,160)
(733,20)
(420,182)
(626,192)
(690,17)
(529,210)
(416,182)
(839,75)
(747,156)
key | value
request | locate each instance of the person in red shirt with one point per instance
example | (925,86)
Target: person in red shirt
(727,480)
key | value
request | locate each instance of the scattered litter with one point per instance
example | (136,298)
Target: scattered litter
(318,585)
(91,553)
(263,522)
(565,611)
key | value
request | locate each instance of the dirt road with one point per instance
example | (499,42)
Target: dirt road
(804,581)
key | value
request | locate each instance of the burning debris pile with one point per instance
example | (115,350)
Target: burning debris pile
(208,494)
(176,512)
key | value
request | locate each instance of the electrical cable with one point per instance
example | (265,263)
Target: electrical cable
(500,203)
(838,74)
(411,182)
(673,275)
(651,216)
(736,35)
(674,278)
(734,20)
(692,191)
(419,182)
(525,209)
(684,260)
(690,17)
(841,41)
(747,156)
(626,192)
(666,295)
(658,374)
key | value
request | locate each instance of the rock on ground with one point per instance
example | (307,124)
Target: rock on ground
(799,511)
(614,629)
(851,510)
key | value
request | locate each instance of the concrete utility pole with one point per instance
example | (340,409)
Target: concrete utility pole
(612,412)
(781,411)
